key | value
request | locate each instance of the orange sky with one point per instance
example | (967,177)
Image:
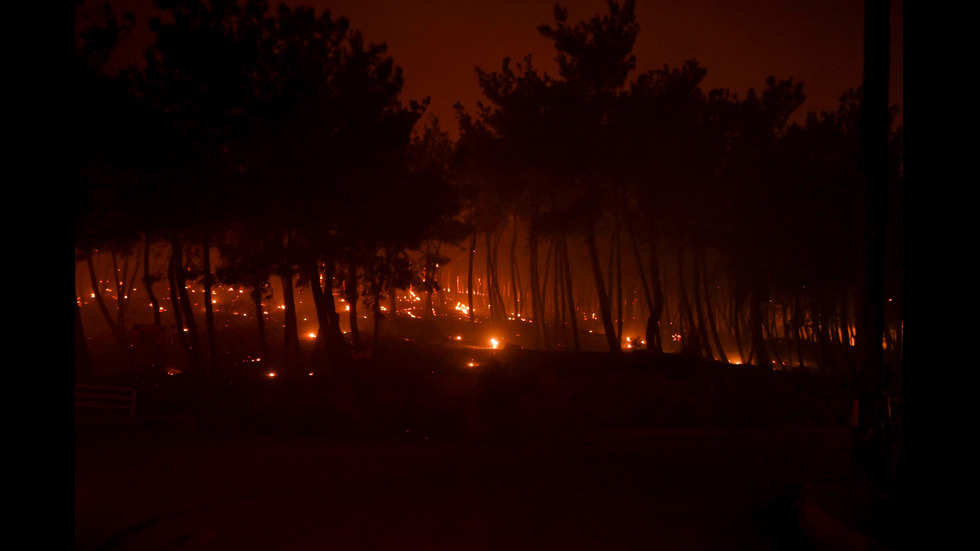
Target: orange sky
(438,43)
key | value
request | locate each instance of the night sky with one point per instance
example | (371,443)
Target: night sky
(439,43)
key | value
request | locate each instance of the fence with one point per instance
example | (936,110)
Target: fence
(104,403)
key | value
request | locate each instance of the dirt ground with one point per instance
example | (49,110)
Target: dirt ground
(606,489)
(458,448)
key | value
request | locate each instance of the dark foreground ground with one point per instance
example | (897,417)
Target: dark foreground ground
(418,450)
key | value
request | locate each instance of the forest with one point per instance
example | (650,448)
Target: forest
(269,151)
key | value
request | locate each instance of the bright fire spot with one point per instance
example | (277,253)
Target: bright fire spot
(494,343)
(311,335)
(270,374)
(459,338)
(471,364)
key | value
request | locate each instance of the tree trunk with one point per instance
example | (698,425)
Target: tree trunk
(469,280)
(798,326)
(653,300)
(260,321)
(710,314)
(604,306)
(377,315)
(498,311)
(570,297)
(690,341)
(653,334)
(736,325)
(180,274)
(351,295)
(544,294)
(330,343)
(117,332)
(290,337)
(537,308)
(148,281)
(176,309)
(393,302)
(759,352)
(619,287)
(82,365)
(706,317)
(122,288)
(557,298)
(515,275)
(336,344)
(699,284)
(769,327)
(208,306)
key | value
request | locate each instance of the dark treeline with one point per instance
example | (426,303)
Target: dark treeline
(276,141)
(273,137)
(737,228)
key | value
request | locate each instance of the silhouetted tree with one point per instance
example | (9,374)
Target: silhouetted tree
(594,59)
(521,119)
(670,149)
(106,120)
(752,231)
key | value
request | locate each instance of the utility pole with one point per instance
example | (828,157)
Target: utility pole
(870,436)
